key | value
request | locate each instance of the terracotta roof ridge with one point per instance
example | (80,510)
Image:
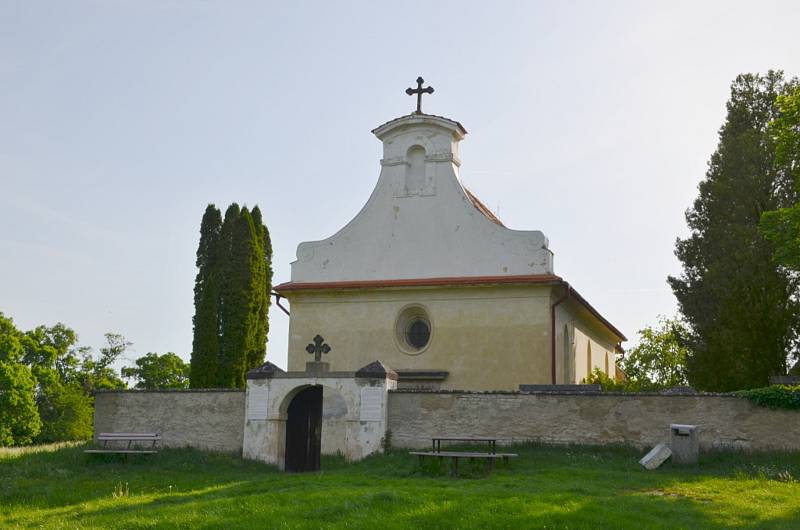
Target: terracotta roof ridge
(477,203)
(416,282)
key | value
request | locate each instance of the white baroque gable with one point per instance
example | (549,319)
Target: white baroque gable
(420,222)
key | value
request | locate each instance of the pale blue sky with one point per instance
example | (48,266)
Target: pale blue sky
(120,121)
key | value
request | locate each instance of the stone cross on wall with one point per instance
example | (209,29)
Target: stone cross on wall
(419,91)
(317,348)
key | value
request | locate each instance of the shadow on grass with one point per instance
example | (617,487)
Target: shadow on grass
(556,487)
(335,505)
(68,476)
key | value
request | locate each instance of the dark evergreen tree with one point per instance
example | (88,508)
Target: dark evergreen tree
(238,307)
(741,308)
(265,280)
(231,297)
(205,343)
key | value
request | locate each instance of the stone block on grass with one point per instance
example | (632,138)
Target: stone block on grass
(657,456)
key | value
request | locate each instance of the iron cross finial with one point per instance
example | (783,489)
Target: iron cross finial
(419,91)
(318,348)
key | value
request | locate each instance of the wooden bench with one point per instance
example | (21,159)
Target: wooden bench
(131,438)
(490,458)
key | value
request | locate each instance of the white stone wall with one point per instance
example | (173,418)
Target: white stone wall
(216,420)
(205,419)
(638,420)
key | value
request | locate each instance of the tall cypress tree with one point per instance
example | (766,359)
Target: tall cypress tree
(264,258)
(740,306)
(237,302)
(231,297)
(205,342)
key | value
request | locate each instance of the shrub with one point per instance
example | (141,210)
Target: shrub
(774,397)
(66,412)
(599,377)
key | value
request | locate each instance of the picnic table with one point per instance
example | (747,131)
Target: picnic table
(490,458)
(437,442)
(134,439)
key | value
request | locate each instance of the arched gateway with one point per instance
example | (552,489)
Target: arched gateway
(292,416)
(304,430)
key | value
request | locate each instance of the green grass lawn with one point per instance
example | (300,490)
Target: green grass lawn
(546,487)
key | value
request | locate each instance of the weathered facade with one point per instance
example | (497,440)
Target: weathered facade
(205,419)
(640,420)
(353,426)
(217,420)
(428,280)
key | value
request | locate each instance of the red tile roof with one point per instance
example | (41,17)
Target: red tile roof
(476,202)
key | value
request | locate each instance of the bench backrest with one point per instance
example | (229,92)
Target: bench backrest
(147,436)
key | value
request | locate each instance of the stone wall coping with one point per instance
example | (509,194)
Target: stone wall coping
(328,375)
(167,390)
(321,375)
(560,393)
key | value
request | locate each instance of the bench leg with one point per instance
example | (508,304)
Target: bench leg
(455,466)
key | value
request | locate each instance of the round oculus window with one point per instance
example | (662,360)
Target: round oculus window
(418,333)
(413,329)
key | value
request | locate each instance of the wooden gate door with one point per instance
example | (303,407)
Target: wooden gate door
(304,430)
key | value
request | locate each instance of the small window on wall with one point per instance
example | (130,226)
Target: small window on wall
(607,364)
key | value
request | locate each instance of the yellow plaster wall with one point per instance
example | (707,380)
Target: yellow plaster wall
(486,337)
(584,332)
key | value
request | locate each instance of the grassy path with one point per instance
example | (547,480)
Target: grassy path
(547,487)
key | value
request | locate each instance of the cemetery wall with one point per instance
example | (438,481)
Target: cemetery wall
(206,419)
(640,420)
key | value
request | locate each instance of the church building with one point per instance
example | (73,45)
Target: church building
(429,281)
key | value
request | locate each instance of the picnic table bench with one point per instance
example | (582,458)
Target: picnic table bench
(131,438)
(437,442)
(490,458)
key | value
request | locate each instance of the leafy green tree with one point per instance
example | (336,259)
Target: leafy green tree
(54,348)
(64,408)
(11,340)
(19,418)
(782,227)
(50,379)
(659,359)
(154,371)
(99,374)
(740,307)
(206,321)
(54,357)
